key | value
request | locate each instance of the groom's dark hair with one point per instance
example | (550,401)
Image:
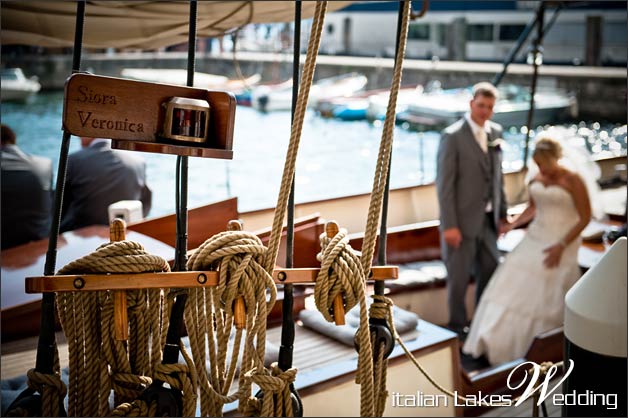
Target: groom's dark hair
(485,89)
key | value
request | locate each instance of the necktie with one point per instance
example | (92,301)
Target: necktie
(482,140)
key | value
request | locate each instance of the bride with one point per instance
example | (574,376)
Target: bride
(526,294)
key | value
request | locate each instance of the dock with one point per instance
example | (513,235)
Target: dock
(600,91)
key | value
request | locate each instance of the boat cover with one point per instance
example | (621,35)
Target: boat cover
(138,24)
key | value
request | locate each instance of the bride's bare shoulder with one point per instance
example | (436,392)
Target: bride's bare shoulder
(572,180)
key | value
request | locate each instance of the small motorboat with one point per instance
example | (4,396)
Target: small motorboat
(201,80)
(269,98)
(15,85)
(370,105)
(378,103)
(439,108)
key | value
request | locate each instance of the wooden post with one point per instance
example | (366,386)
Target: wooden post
(331,229)
(117,232)
(239,308)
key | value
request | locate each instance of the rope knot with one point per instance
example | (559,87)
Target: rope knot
(274,390)
(42,381)
(381,308)
(129,385)
(272,382)
(239,256)
(340,273)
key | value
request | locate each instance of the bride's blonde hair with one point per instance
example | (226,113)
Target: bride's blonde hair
(546,146)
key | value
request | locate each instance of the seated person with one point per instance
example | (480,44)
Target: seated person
(98,176)
(26,193)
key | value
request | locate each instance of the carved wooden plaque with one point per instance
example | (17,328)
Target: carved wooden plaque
(129,111)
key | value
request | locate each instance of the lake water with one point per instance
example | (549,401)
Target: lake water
(336,158)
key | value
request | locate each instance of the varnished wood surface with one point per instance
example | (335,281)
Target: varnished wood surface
(307,230)
(28,260)
(21,311)
(203,223)
(173,279)
(408,243)
(171,148)
(129,110)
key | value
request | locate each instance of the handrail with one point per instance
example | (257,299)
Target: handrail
(179,280)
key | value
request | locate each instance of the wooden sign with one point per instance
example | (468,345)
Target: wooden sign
(132,113)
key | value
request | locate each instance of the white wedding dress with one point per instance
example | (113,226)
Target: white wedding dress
(525,298)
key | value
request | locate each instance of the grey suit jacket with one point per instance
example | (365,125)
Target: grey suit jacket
(98,176)
(26,196)
(461,179)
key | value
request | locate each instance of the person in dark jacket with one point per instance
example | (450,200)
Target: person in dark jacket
(26,193)
(98,176)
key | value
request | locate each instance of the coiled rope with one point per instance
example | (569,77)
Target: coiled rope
(98,362)
(239,257)
(246,267)
(342,273)
(348,274)
(180,377)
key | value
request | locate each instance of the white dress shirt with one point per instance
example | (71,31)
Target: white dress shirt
(479,132)
(481,135)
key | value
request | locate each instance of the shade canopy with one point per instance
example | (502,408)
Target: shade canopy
(138,24)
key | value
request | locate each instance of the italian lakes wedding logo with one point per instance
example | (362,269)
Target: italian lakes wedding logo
(587,398)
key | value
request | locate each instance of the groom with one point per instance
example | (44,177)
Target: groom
(472,203)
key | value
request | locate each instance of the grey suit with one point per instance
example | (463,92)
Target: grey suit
(26,196)
(98,176)
(467,179)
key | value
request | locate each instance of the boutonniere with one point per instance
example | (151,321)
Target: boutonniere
(496,145)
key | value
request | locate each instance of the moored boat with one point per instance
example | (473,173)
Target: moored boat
(268,98)
(440,108)
(15,86)
(179,77)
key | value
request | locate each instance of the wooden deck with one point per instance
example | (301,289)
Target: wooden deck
(326,368)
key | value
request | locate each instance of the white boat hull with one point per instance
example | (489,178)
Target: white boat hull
(16,87)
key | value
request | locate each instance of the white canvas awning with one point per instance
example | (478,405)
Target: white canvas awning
(137,24)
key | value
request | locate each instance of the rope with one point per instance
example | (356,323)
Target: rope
(236,32)
(245,267)
(98,362)
(385,149)
(239,256)
(51,388)
(380,364)
(295,134)
(342,273)
(382,307)
(117,257)
(275,386)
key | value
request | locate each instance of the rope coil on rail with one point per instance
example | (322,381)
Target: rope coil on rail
(239,257)
(245,272)
(98,362)
(342,273)
(371,371)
